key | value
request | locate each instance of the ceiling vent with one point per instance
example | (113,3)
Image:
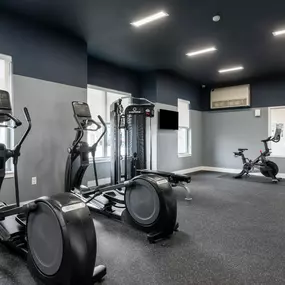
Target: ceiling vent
(230,97)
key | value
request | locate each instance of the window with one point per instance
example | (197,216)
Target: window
(100,100)
(277,118)
(184,132)
(6,135)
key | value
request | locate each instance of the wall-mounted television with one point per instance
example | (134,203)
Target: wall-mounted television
(168,120)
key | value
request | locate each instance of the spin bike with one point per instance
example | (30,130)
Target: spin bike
(55,234)
(145,201)
(266,167)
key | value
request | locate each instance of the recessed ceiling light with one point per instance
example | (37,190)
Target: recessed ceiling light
(197,52)
(237,68)
(278,33)
(149,19)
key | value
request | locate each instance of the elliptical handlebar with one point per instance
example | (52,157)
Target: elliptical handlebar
(94,146)
(102,122)
(17,122)
(92,123)
(28,119)
(27,114)
(81,133)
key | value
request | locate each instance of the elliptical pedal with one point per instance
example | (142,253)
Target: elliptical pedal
(4,235)
(113,197)
(21,219)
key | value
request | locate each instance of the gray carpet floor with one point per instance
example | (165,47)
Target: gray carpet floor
(233,232)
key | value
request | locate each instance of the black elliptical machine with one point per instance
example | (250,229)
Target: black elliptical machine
(266,167)
(55,234)
(145,201)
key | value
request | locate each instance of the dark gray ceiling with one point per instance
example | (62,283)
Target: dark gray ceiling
(243,36)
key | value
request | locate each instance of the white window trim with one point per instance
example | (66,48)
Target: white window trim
(101,159)
(9,174)
(105,159)
(189,153)
(184,155)
(189,141)
(186,101)
(269,129)
(108,90)
(10,138)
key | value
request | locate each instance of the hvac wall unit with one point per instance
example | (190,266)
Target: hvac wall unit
(230,97)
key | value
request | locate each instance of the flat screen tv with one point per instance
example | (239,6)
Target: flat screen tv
(168,120)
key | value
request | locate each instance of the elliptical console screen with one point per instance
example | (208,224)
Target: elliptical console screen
(81,109)
(5,103)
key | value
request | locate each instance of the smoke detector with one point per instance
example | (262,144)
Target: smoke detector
(217,18)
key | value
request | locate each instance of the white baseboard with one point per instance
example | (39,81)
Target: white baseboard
(190,170)
(104,181)
(222,170)
(219,169)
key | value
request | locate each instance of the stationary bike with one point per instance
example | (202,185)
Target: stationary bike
(148,201)
(266,167)
(55,234)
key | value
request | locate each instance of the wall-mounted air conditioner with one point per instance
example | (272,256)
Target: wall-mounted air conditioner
(230,97)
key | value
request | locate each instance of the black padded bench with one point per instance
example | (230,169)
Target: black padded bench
(174,179)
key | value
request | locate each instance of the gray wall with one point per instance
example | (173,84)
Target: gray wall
(44,152)
(167,144)
(226,131)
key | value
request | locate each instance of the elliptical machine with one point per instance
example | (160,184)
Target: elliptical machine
(55,234)
(146,201)
(266,167)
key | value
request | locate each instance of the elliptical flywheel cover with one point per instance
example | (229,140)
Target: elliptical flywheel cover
(45,239)
(142,202)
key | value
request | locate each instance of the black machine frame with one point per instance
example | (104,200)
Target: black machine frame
(267,167)
(136,122)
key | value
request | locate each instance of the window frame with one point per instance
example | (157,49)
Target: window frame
(105,157)
(270,130)
(188,138)
(9,133)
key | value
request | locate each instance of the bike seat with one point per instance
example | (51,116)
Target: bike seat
(242,149)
